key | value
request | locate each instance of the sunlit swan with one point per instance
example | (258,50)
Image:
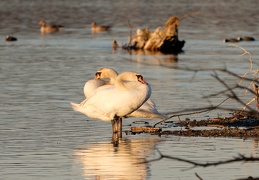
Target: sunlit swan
(147,110)
(49,28)
(91,85)
(113,102)
(98,28)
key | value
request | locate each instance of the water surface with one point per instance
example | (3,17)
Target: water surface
(41,137)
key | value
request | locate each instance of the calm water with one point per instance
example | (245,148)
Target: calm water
(42,138)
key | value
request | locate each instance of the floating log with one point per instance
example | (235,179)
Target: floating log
(165,39)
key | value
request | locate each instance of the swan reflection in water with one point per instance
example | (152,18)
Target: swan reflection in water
(105,161)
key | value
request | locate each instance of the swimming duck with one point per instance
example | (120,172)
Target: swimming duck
(10,38)
(115,44)
(245,38)
(98,28)
(49,28)
(231,40)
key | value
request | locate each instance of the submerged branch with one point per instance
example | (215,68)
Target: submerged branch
(239,158)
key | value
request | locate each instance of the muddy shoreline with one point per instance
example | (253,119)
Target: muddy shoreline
(241,125)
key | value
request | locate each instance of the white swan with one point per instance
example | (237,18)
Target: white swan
(147,110)
(91,85)
(112,102)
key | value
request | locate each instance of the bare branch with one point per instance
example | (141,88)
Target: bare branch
(197,111)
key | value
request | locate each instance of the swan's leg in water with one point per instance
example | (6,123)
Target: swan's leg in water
(120,126)
(115,135)
(114,126)
(117,125)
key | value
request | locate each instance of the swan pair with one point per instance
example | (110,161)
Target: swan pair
(124,95)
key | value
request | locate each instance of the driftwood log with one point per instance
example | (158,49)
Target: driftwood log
(164,39)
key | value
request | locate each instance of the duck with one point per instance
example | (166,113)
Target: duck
(147,110)
(98,28)
(91,85)
(113,102)
(115,44)
(10,38)
(245,38)
(49,28)
(231,40)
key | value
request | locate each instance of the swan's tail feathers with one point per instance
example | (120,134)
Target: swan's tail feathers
(75,106)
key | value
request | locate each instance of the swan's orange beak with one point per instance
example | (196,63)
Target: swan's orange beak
(141,79)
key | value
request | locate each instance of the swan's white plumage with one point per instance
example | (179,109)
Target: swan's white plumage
(118,100)
(147,110)
(91,86)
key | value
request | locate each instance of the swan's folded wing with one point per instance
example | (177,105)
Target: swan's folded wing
(147,110)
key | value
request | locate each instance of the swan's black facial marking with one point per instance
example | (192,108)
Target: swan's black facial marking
(141,79)
(98,75)
(139,76)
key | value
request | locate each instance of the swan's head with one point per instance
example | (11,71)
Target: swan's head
(132,77)
(106,73)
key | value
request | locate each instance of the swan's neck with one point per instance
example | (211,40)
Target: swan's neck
(112,80)
(112,75)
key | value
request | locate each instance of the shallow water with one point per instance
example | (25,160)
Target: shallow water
(41,137)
